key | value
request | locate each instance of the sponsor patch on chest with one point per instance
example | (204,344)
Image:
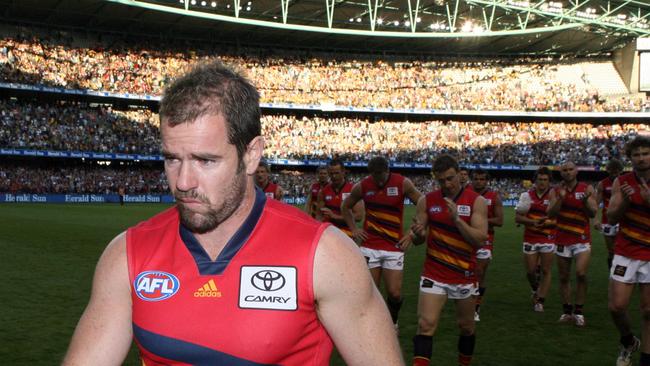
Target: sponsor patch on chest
(268,287)
(488,201)
(464,210)
(392,191)
(344,196)
(579,195)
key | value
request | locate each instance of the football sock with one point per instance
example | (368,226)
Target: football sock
(578,309)
(465,349)
(393,307)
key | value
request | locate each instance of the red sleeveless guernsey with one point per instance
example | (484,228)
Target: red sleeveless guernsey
(633,239)
(572,222)
(315,188)
(606,186)
(490,198)
(253,306)
(384,212)
(538,206)
(270,190)
(450,258)
(313,191)
(333,200)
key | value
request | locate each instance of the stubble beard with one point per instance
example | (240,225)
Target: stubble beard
(201,223)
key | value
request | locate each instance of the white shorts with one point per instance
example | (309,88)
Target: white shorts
(629,270)
(570,251)
(539,248)
(453,291)
(484,253)
(383,258)
(609,230)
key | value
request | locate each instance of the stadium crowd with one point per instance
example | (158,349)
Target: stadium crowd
(102,179)
(87,179)
(80,127)
(145,67)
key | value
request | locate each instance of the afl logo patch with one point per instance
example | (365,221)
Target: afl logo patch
(268,287)
(435,209)
(156,285)
(392,191)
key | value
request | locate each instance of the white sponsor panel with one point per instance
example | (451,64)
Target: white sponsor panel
(268,287)
(464,210)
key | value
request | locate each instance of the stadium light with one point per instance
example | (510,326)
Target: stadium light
(380,21)
(213,4)
(358,20)
(396,23)
(467,27)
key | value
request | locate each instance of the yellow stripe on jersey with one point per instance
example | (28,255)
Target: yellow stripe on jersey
(635,235)
(636,218)
(574,229)
(451,241)
(383,216)
(572,216)
(392,234)
(449,259)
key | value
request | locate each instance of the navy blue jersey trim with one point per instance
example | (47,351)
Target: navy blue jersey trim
(186,352)
(208,267)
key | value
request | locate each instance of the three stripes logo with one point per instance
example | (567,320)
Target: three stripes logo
(208,290)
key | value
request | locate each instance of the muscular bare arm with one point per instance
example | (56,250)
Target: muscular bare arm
(497,220)
(349,211)
(103,334)
(411,191)
(349,305)
(618,204)
(555,203)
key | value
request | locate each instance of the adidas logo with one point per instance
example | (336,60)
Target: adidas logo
(208,290)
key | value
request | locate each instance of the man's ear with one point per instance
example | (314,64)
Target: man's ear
(253,154)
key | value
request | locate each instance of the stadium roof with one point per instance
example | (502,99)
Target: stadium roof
(449,27)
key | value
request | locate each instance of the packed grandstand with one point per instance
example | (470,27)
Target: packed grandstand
(41,69)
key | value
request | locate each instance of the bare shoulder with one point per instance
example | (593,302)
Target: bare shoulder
(337,261)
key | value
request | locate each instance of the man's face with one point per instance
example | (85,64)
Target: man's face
(204,172)
(614,172)
(479,181)
(464,177)
(379,178)
(568,172)
(322,176)
(542,182)
(337,174)
(640,159)
(261,176)
(449,181)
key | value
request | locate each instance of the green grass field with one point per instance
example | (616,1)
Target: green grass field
(49,252)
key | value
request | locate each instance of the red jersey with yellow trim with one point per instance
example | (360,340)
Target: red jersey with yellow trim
(572,221)
(490,199)
(633,239)
(606,187)
(270,189)
(384,212)
(538,206)
(333,199)
(450,258)
(253,305)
